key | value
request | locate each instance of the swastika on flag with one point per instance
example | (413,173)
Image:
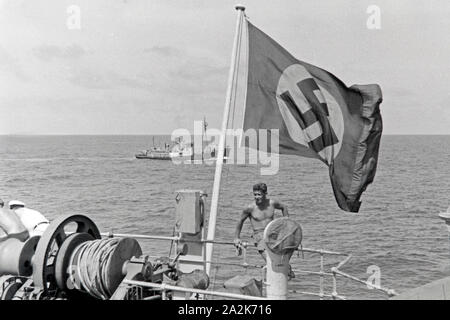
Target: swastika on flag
(312,116)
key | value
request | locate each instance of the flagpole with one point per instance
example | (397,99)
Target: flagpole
(219,162)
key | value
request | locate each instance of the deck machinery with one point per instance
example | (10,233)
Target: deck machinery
(71,260)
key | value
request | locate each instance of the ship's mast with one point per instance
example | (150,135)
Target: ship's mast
(219,163)
(205,125)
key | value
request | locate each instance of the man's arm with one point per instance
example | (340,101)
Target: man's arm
(244,215)
(11,225)
(282,207)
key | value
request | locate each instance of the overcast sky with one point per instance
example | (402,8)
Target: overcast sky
(151,66)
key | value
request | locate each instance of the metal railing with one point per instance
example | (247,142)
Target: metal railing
(167,287)
(334,272)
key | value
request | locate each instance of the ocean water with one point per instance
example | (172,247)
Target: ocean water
(397,230)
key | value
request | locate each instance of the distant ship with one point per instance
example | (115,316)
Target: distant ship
(182,150)
(154,154)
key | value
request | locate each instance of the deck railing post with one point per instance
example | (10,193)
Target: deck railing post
(446,217)
(321,293)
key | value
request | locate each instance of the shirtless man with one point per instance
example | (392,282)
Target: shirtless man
(260,213)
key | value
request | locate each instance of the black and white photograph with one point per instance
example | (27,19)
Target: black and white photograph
(243,152)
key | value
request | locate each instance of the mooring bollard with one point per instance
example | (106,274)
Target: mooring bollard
(281,237)
(277,276)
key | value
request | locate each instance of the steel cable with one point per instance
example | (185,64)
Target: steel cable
(93,260)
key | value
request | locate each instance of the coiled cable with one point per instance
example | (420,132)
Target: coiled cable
(93,260)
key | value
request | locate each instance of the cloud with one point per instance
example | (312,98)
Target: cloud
(49,52)
(196,70)
(401,92)
(167,69)
(164,51)
(187,65)
(9,64)
(186,71)
(106,79)
(89,79)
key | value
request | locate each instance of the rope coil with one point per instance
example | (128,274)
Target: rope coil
(90,263)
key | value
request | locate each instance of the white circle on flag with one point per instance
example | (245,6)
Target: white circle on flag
(288,81)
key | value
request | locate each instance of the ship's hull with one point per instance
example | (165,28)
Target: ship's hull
(153,157)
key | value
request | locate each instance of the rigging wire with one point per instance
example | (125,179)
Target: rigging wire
(172,241)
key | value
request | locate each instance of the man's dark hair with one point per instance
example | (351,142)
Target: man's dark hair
(260,187)
(2,204)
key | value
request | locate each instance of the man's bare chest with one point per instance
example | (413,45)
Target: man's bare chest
(262,214)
